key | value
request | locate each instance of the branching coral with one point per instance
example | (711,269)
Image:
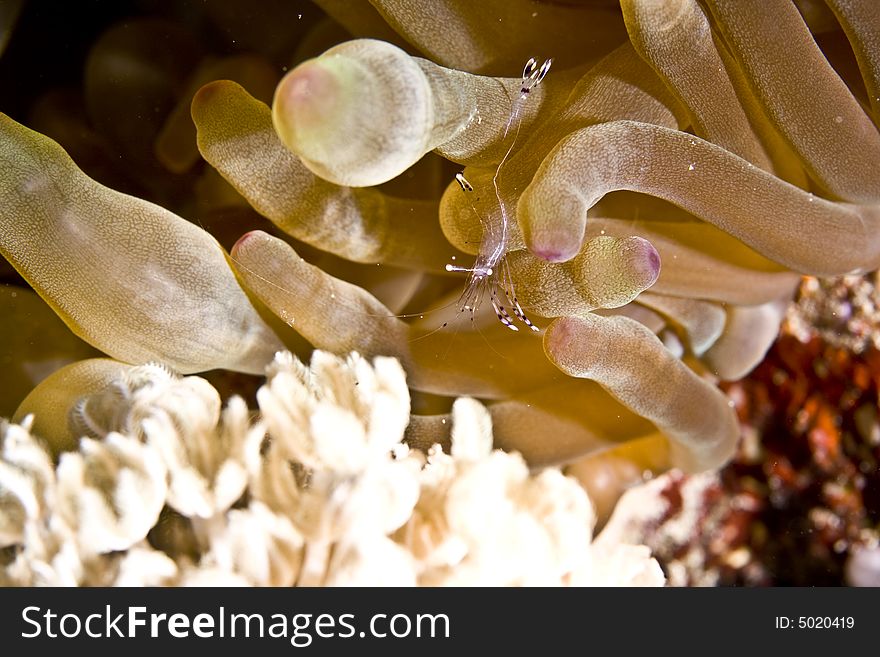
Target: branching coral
(730,141)
(319,491)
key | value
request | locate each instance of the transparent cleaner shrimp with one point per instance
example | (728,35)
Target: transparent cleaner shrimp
(491,271)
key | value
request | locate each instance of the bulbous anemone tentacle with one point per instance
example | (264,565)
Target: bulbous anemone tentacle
(609,272)
(558,423)
(860,21)
(130,278)
(748,333)
(365,111)
(699,260)
(619,87)
(675,38)
(33,343)
(8,17)
(777,219)
(337,316)
(485,44)
(806,100)
(653,321)
(702,262)
(627,360)
(306,297)
(701,321)
(609,474)
(235,135)
(549,425)
(176,146)
(50,402)
(360,114)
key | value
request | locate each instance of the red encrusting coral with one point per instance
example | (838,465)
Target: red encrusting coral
(804,487)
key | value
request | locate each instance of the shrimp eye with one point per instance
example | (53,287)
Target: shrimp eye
(529,69)
(544,68)
(532,75)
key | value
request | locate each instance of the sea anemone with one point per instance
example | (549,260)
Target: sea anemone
(734,142)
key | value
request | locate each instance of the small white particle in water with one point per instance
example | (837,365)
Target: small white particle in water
(534,14)
(299,16)
(691,166)
(602,232)
(332,296)
(453,257)
(838,119)
(443,421)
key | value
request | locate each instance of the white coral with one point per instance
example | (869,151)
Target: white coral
(319,490)
(262,546)
(111,492)
(47,553)
(484,519)
(180,419)
(340,421)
